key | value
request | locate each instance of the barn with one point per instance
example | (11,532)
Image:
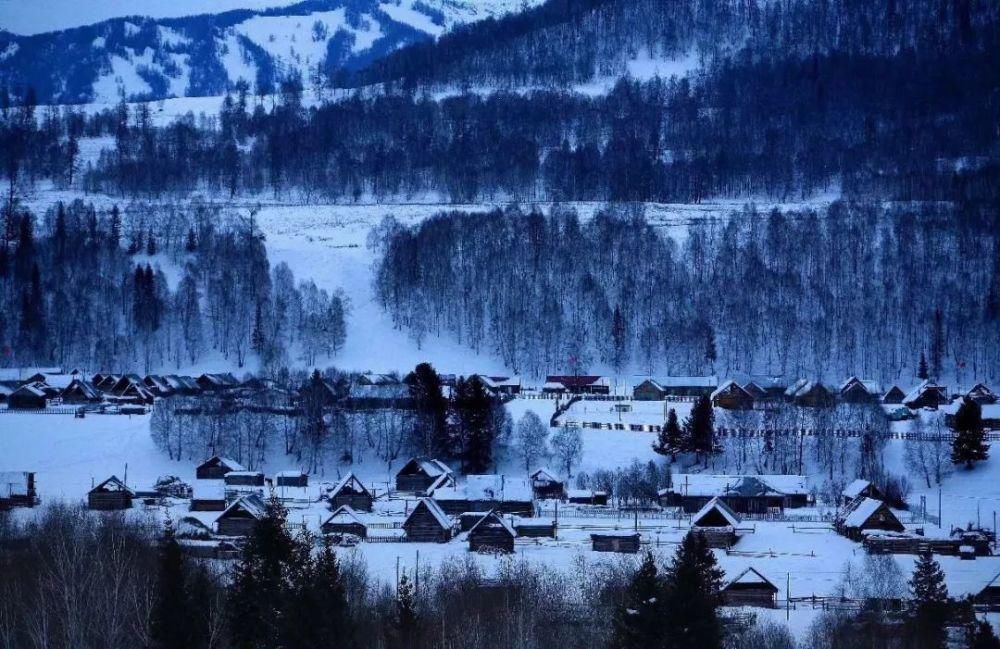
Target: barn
(730,396)
(345,520)
(30,396)
(17,489)
(419,473)
(428,523)
(112,494)
(743,494)
(624,542)
(867,514)
(240,518)
(208,496)
(545,485)
(351,492)
(216,468)
(492,534)
(750,588)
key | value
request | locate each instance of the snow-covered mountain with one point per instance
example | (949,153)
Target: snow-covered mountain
(140,57)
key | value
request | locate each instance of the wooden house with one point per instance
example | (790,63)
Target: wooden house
(482,493)
(467,520)
(623,542)
(561,384)
(17,489)
(345,520)
(716,523)
(30,396)
(731,396)
(742,493)
(208,496)
(80,391)
(854,390)
(810,394)
(980,394)
(926,395)
(859,489)
(245,479)
(756,392)
(419,473)
(240,518)
(545,485)
(158,385)
(501,385)
(428,523)
(104,382)
(217,382)
(535,528)
(750,588)
(182,385)
(660,388)
(587,497)
(216,468)
(867,514)
(893,396)
(112,494)
(350,491)
(492,534)
(291,479)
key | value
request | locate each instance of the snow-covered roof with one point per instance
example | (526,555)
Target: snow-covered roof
(803,387)
(861,511)
(709,485)
(854,489)
(492,487)
(685,381)
(492,519)
(583,493)
(429,466)
(871,387)
(544,475)
(434,509)
(245,474)
(750,576)
(344,515)
(353,481)
(208,490)
(34,389)
(251,504)
(726,385)
(922,387)
(54,379)
(229,462)
(112,484)
(729,515)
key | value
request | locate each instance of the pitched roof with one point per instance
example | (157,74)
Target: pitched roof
(434,509)
(492,519)
(252,504)
(429,466)
(219,459)
(920,389)
(353,481)
(112,484)
(854,489)
(751,576)
(860,511)
(34,389)
(727,385)
(684,381)
(344,515)
(544,475)
(715,504)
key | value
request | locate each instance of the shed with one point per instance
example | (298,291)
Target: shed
(750,588)
(492,534)
(626,542)
(345,521)
(427,523)
(535,528)
(208,496)
(419,473)
(291,479)
(110,495)
(30,396)
(240,518)
(352,492)
(867,514)
(546,485)
(245,479)
(731,396)
(587,497)
(216,468)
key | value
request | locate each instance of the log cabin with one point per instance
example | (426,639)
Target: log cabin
(345,520)
(241,517)
(419,473)
(216,468)
(110,495)
(622,542)
(492,534)
(291,479)
(482,493)
(428,523)
(926,395)
(545,485)
(352,492)
(731,396)
(867,514)
(208,496)
(750,588)
(30,396)
(810,394)
(743,494)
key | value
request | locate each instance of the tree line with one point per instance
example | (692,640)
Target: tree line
(154,287)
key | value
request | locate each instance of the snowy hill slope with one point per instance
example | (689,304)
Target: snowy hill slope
(140,57)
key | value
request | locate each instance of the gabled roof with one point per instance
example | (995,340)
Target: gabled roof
(53,379)
(802,387)
(751,576)
(492,519)
(251,504)
(860,511)
(722,508)
(727,386)
(428,466)
(217,460)
(854,489)
(86,389)
(920,389)
(111,485)
(545,475)
(34,389)
(344,515)
(664,382)
(349,480)
(434,509)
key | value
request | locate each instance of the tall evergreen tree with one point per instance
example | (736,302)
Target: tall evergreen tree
(969,446)
(670,439)
(315,606)
(169,619)
(700,429)
(691,597)
(638,622)
(115,230)
(431,429)
(922,372)
(474,414)
(930,606)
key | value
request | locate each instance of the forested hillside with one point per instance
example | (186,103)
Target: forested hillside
(856,289)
